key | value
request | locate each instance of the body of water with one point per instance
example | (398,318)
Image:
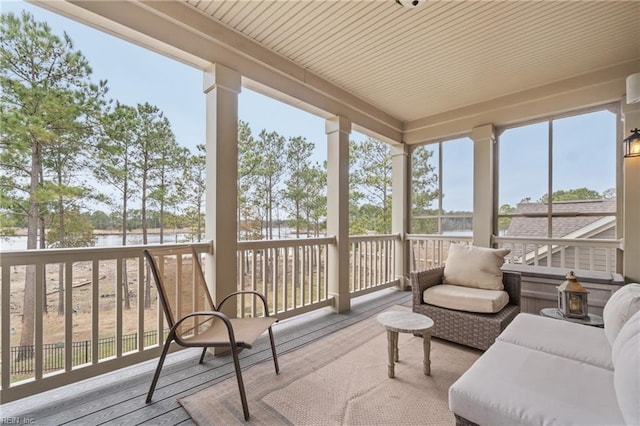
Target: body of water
(20,242)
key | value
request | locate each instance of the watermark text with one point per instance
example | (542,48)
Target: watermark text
(17,421)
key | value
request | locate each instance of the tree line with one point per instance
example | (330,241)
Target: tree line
(67,147)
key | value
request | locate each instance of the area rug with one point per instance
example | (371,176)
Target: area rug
(341,380)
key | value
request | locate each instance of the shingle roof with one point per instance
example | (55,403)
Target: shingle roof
(561,226)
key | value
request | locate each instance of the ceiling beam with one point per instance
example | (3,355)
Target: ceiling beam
(595,88)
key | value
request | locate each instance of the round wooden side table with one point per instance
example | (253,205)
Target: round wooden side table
(406,322)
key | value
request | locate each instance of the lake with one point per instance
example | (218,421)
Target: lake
(111,240)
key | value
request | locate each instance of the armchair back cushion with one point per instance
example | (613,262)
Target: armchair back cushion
(477,267)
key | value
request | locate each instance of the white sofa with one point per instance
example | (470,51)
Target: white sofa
(544,371)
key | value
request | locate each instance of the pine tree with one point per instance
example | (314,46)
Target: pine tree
(47,104)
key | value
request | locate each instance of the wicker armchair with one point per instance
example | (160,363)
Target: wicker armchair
(467,328)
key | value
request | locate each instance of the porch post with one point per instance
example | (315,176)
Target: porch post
(631,209)
(221,87)
(483,146)
(338,130)
(400,175)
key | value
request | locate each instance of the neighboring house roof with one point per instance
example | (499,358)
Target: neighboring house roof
(578,226)
(570,226)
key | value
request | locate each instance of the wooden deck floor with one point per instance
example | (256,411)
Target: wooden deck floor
(118,398)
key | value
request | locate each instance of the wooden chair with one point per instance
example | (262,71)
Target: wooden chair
(194,319)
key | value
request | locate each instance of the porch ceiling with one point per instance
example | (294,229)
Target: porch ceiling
(414,63)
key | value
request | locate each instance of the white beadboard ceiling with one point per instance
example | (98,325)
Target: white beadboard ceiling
(416,62)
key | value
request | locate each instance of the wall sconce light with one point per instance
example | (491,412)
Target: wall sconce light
(632,144)
(633,88)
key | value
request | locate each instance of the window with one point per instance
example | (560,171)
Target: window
(557,180)
(442,188)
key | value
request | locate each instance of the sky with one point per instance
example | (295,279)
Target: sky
(136,75)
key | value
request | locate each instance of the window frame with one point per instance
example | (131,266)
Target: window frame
(549,214)
(440,215)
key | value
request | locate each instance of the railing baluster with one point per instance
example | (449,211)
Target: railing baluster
(353,259)
(285,284)
(254,283)
(267,278)
(68,316)
(316,250)
(275,285)
(160,323)
(5,327)
(295,277)
(326,272)
(119,291)
(178,291)
(141,303)
(310,271)
(95,302)
(367,267)
(241,278)
(303,270)
(39,301)
(378,259)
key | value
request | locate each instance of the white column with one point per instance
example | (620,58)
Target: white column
(483,146)
(400,175)
(631,210)
(338,130)
(221,87)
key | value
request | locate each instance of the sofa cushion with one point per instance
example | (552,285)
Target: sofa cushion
(619,308)
(466,299)
(576,341)
(626,379)
(477,267)
(512,384)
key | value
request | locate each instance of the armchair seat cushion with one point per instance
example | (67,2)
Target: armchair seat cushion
(466,298)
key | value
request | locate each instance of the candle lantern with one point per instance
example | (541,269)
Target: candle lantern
(572,298)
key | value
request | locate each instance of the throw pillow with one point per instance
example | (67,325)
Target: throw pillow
(477,267)
(621,306)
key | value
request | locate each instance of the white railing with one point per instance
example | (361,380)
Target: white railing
(428,251)
(105,318)
(292,274)
(98,333)
(590,254)
(372,263)
(112,318)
